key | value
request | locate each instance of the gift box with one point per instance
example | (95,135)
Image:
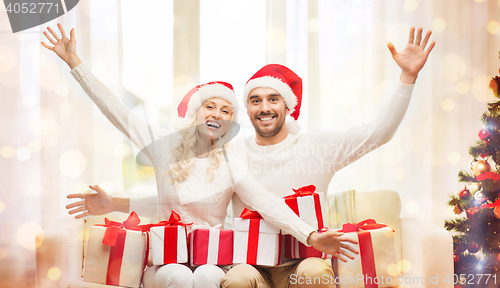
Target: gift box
(295,249)
(307,205)
(376,253)
(117,253)
(256,242)
(169,241)
(210,245)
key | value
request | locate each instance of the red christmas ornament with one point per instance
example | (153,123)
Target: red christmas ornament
(484,134)
(473,248)
(465,194)
(455,257)
(460,248)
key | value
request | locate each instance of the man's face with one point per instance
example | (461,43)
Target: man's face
(267,111)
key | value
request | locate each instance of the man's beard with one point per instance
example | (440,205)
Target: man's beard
(271,133)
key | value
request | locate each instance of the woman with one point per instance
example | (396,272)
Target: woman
(194,177)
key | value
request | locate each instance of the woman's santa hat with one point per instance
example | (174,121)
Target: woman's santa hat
(285,82)
(193,100)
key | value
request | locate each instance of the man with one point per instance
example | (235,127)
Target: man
(280,159)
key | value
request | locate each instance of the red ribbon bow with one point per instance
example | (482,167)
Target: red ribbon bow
(247,214)
(302,191)
(368,224)
(491,205)
(113,228)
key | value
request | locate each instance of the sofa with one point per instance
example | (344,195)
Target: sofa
(425,251)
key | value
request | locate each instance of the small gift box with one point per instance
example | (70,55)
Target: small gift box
(307,205)
(376,253)
(256,242)
(169,241)
(210,245)
(117,253)
(297,250)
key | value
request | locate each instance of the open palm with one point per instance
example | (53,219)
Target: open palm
(413,57)
(64,48)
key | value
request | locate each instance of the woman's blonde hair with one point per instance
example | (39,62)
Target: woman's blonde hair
(184,151)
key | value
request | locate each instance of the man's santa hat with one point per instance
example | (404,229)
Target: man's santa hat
(193,100)
(285,82)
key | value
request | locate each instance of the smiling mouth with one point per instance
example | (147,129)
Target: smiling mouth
(266,119)
(213,125)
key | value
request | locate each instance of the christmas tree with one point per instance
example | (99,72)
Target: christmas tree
(476,229)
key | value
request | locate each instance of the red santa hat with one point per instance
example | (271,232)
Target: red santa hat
(193,100)
(285,82)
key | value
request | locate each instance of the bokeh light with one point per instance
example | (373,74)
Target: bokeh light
(2,206)
(26,234)
(107,186)
(453,67)
(404,266)
(479,1)
(7,151)
(412,207)
(493,27)
(73,163)
(411,5)
(480,89)
(393,270)
(34,146)
(463,87)
(81,187)
(278,45)
(23,154)
(447,104)
(62,89)
(313,25)
(439,24)
(54,273)
(399,173)
(454,157)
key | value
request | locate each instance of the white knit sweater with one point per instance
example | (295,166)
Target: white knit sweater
(196,199)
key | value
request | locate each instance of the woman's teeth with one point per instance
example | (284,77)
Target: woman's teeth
(213,125)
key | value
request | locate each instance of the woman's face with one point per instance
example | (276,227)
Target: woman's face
(214,117)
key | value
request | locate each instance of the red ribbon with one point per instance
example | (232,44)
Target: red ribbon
(170,236)
(291,201)
(368,224)
(253,234)
(304,191)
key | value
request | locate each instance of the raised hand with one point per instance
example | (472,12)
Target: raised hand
(413,57)
(333,243)
(98,203)
(64,48)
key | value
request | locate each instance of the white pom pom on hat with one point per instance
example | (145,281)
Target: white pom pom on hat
(285,82)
